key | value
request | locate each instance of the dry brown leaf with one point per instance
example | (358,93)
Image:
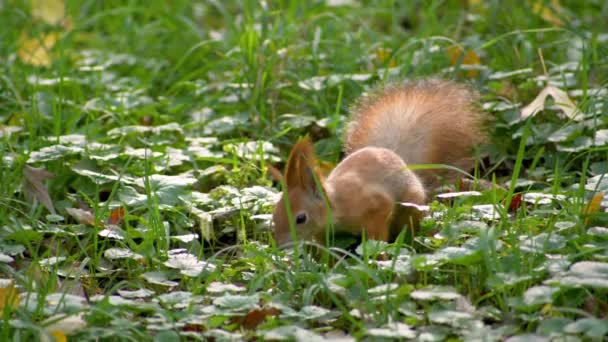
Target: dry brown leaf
(34,188)
(116,216)
(82,216)
(205,223)
(562,101)
(515,202)
(274,173)
(257,316)
(37,51)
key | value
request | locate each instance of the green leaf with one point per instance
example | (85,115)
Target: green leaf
(457,319)
(188,264)
(395,330)
(291,333)
(467,254)
(167,336)
(597,183)
(309,312)
(54,152)
(584,273)
(5,258)
(222,335)
(159,278)
(121,253)
(237,302)
(217,287)
(553,326)
(435,293)
(598,231)
(590,327)
(528,338)
(543,242)
(537,295)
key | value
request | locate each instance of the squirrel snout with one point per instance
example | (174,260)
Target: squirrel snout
(282,240)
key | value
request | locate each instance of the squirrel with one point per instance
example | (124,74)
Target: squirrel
(430,121)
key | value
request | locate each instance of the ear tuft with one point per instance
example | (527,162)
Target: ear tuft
(300,164)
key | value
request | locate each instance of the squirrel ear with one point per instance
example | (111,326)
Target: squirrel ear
(300,165)
(308,180)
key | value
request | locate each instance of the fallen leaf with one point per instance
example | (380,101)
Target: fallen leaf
(515,202)
(594,205)
(205,223)
(550,13)
(116,216)
(256,316)
(37,51)
(146,120)
(562,101)
(82,216)
(274,173)
(469,57)
(49,11)
(9,297)
(383,55)
(60,326)
(7,131)
(58,336)
(34,189)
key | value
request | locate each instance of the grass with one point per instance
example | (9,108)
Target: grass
(158,122)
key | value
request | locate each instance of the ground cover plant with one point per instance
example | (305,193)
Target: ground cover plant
(138,141)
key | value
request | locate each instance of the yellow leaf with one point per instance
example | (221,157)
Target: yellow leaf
(469,57)
(9,297)
(594,204)
(60,326)
(549,13)
(58,335)
(49,11)
(37,51)
(383,54)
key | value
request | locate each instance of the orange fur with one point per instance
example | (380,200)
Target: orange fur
(425,122)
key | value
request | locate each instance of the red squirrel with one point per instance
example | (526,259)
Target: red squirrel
(429,121)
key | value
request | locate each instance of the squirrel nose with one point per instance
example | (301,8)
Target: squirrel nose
(282,239)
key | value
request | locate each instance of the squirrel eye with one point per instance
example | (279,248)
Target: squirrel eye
(301,218)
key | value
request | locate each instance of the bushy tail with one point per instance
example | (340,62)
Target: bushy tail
(429,121)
